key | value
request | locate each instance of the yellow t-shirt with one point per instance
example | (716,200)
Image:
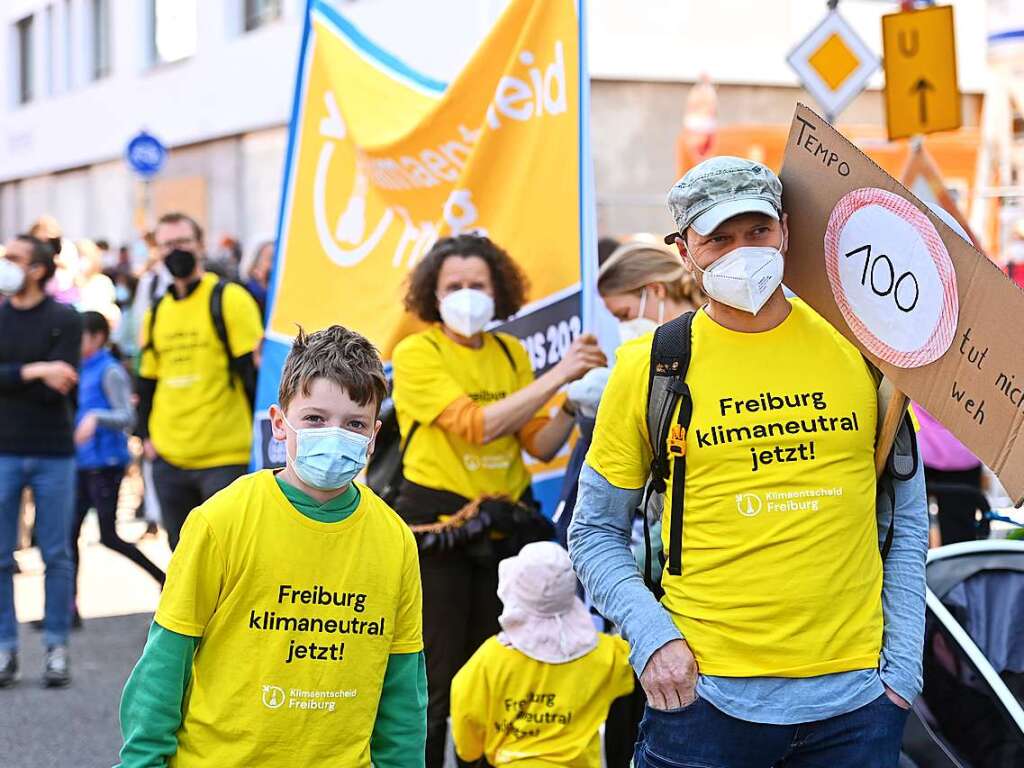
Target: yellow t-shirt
(297,619)
(781,573)
(431,372)
(518,711)
(201,417)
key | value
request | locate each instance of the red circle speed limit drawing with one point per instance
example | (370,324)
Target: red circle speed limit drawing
(892,277)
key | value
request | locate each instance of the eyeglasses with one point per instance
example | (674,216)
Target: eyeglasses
(181,242)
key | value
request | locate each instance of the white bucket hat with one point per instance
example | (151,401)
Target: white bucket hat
(542,617)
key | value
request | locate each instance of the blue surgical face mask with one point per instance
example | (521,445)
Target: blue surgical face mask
(328,458)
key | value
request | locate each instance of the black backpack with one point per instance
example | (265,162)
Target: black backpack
(384,471)
(666,388)
(235,373)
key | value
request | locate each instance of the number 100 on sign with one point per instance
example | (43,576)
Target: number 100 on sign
(891,277)
(880,275)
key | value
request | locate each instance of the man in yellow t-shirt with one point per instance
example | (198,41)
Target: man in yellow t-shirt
(536,694)
(782,636)
(197,377)
(289,631)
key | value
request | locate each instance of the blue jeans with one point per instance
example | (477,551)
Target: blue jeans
(700,736)
(52,480)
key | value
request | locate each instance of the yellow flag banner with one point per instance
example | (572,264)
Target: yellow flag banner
(382,161)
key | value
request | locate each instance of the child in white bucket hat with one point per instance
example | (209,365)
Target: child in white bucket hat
(536,694)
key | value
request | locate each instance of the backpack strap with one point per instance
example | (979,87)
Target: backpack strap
(900,466)
(904,458)
(667,388)
(653,584)
(896,455)
(217,316)
(412,430)
(408,439)
(505,349)
(670,359)
(150,346)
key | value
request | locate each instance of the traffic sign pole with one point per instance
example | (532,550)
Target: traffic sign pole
(147,202)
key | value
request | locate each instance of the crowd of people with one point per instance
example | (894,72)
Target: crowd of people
(717,634)
(78,380)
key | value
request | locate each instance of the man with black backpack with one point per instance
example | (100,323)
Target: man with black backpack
(197,377)
(791,615)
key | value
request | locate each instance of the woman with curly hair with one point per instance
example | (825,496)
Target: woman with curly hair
(468,405)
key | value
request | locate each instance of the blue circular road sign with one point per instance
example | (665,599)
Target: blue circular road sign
(145,154)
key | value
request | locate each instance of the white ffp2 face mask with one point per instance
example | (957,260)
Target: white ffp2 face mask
(467,311)
(640,325)
(744,278)
(12,277)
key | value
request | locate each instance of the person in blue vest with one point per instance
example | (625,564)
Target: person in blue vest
(105,414)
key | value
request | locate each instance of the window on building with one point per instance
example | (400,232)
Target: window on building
(68,80)
(26,55)
(261,12)
(50,36)
(100,39)
(175,30)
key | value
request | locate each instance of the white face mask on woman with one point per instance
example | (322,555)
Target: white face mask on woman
(467,311)
(744,278)
(640,325)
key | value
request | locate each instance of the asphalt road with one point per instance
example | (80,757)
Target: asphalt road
(78,726)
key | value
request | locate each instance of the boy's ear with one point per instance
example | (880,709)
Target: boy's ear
(277,423)
(373,438)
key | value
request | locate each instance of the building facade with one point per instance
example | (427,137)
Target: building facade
(213,80)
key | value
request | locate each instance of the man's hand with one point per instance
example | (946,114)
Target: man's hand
(86,429)
(583,354)
(56,374)
(670,677)
(896,699)
(149,450)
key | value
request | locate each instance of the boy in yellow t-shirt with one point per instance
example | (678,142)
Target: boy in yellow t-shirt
(289,631)
(535,695)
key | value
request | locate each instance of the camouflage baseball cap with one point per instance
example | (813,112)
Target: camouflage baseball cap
(720,188)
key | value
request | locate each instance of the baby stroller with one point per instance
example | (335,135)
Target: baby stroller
(969,714)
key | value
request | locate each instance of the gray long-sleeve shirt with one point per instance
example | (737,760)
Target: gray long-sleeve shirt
(117,386)
(599,544)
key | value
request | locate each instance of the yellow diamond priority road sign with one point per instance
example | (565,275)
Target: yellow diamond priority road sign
(921,94)
(833,63)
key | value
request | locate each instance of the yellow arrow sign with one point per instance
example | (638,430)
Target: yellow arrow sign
(921,94)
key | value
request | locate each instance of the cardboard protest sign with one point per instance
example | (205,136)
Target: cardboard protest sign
(934,314)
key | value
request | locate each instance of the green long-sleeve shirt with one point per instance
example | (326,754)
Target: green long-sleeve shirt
(151,705)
